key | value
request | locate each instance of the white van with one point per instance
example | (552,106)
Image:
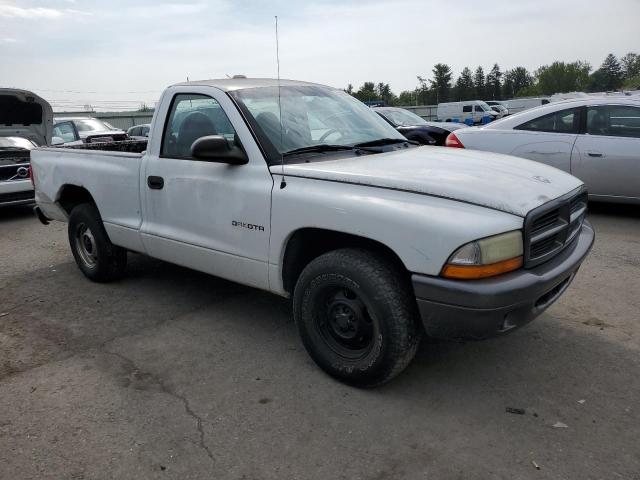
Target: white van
(516,105)
(475,110)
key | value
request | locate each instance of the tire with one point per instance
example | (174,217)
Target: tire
(98,258)
(357,316)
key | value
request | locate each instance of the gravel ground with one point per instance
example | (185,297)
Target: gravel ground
(172,374)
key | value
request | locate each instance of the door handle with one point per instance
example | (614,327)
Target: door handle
(594,154)
(155,183)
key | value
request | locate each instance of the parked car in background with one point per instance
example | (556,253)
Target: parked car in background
(372,237)
(498,107)
(517,105)
(476,111)
(595,139)
(25,122)
(78,130)
(416,128)
(139,132)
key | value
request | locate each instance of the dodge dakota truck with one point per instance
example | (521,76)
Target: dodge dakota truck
(301,190)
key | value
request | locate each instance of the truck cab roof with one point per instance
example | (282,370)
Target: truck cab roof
(231,84)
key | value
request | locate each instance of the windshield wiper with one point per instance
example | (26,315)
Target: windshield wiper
(384,141)
(323,147)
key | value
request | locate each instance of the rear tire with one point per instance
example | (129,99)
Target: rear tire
(98,258)
(356,316)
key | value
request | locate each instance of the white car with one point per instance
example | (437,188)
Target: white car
(498,107)
(595,139)
(302,190)
(25,123)
(517,105)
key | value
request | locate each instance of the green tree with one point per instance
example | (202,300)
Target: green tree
(407,97)
(609,76)
(515,80)
(426,96)
(562,77)
(632,83)
(493,85)
(478,83)
(384,92)
(630,65)
(367,92)
(349,89)
(441,83)
(464,88)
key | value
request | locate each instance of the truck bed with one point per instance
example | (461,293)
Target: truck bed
(130,146)
(110,171)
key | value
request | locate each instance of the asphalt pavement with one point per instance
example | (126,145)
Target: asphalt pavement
(173,374)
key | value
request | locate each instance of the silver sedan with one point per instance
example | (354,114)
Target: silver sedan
(596,139)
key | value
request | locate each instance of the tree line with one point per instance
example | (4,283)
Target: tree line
(558,77)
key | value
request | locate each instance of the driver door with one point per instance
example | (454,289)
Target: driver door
(212,217)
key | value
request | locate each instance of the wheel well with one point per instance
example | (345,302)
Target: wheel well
(72,195)
(309,243)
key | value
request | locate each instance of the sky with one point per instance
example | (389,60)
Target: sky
(121,53)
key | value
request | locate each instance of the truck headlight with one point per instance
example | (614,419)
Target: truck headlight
(486,257)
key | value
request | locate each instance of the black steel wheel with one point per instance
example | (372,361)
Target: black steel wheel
(98,258)
(356,316)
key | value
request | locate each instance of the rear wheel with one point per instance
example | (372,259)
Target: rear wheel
(95,255)
(356,316)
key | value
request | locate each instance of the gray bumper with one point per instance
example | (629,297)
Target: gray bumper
(482,308)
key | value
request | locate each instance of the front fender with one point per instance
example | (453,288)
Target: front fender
(422,230)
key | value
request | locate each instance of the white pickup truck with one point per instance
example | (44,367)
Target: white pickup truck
(301,190)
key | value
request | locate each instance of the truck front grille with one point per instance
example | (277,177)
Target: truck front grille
(552,226)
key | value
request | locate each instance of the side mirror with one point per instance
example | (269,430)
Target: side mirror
(57,140)
(216,148)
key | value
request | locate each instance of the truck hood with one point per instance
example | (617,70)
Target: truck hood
(25,114)
(502,182)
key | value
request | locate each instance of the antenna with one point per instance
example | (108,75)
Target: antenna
(283,182)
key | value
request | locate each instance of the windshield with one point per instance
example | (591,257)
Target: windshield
(483,107)
(91,125)
(311,115)
(402,117)
(15,142)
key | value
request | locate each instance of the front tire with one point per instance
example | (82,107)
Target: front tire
(98,258)
(356,316)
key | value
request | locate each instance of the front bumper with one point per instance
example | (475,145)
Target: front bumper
(483,308)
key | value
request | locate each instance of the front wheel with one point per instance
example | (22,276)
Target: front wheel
(98,258)
(356,316)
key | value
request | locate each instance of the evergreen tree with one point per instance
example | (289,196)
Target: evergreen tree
(608,77)
(613,72)
(478,83)
(441,83)
(494,83)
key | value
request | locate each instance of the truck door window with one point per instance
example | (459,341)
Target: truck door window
(193,116)
(64,131)
(564,121)
(613,120)
(467,108)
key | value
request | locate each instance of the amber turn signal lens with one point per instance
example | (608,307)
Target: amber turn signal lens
(471,272)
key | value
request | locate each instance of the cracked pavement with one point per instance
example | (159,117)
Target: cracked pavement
(173,374)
